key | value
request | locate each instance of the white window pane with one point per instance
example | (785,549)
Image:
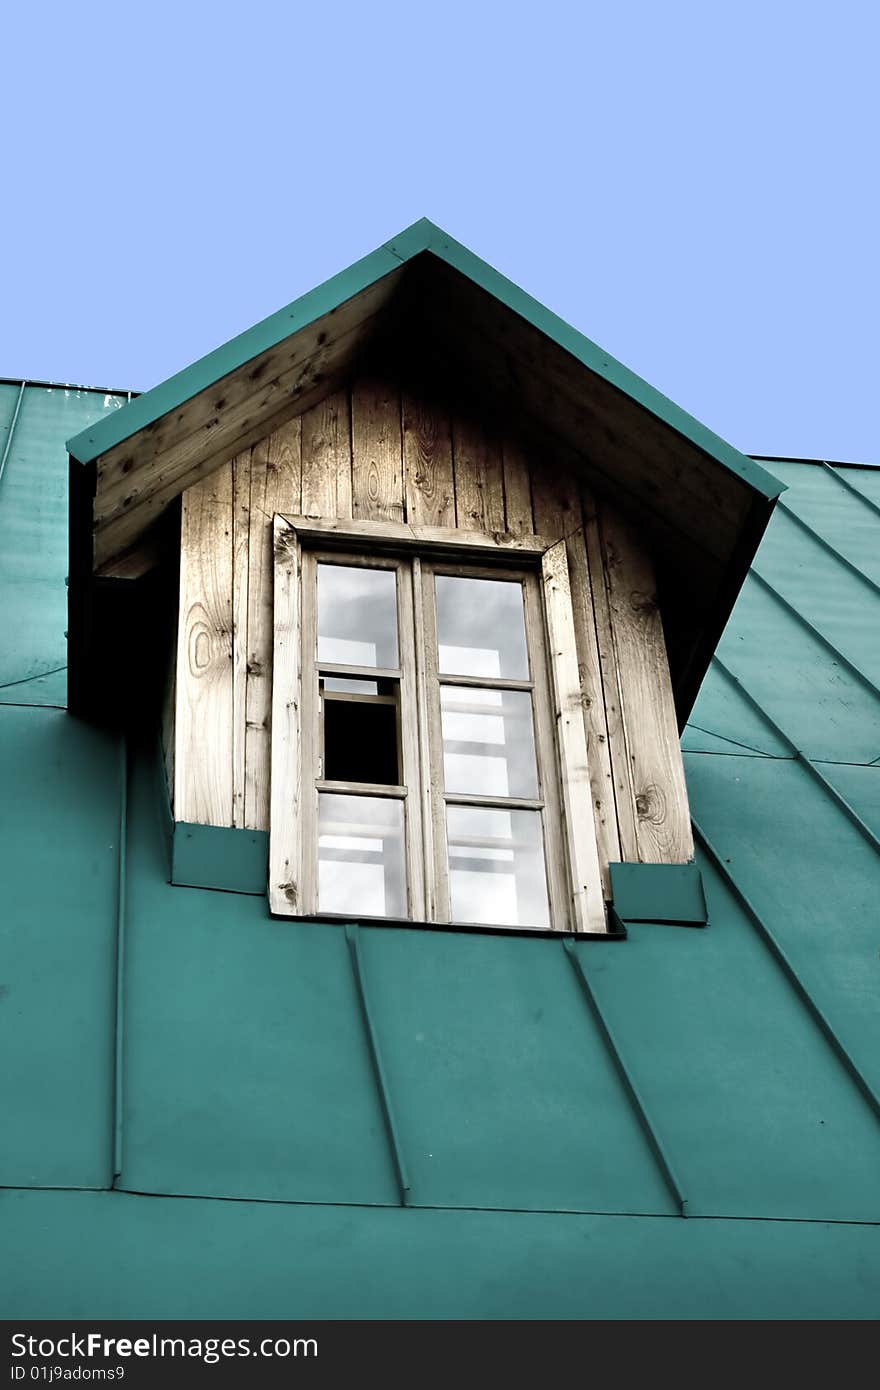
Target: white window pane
(488,746)
(357,616)
(496,867)
(360,856)
(481,628)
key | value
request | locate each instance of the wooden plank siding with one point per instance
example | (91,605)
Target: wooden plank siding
(203,738)
(621,775)
(376,450)
(583,856)
(391,449)
(326,457)
(227,418)
(479,485)
(659,795)
(276,483)
(429,485)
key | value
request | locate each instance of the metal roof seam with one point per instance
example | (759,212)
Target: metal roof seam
(802,758)
(30,704)
(380,1075)
(846,762)
(750,748)
(856,492)
(811,627)
(840,800)
(778,951)
(8,446)
(625,1071)
(37,676)
(826,545)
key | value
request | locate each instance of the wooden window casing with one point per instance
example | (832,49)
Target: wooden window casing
(562,800)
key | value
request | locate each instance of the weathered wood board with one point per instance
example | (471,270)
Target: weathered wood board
(386,448)
(203,735)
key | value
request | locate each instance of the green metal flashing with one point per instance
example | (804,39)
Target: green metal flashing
(210,856)
(109,1255)
(422,237)
(169,395)
(663,893)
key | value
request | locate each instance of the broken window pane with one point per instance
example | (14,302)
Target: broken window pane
(361,738)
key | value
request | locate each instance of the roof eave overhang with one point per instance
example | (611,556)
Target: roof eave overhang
(137,425)
(423,236)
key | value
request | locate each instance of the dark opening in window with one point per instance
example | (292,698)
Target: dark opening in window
(361,741)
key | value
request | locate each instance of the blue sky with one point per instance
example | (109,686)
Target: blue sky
(694,186)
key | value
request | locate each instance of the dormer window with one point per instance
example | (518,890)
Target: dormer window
(419,777)
(452,694)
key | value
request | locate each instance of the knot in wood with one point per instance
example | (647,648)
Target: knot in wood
(651,804)
(643,604)
(285,544)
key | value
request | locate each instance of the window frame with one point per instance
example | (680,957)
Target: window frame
(573,876)
(310,725)
(547,801)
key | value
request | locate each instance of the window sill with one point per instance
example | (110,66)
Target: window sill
(616,932)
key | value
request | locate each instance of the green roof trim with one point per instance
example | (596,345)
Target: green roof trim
(211,856)
(667,893)
(423,236)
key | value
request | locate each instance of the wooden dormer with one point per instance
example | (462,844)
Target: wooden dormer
(422,410)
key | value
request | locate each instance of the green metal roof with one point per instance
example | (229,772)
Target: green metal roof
(34,418)
(232,1062)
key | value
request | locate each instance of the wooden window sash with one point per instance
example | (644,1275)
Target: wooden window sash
(312,782)
(548,803)
(587,902)
(285,857)
(570,846)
